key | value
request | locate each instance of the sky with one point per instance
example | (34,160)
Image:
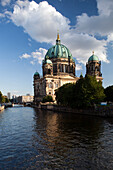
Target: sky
(29,28)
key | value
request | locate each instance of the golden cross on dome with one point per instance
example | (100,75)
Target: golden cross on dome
(58,37)
(93,52)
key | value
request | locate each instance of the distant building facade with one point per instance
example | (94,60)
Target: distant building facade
(25,99)
(9,95)
(58,69)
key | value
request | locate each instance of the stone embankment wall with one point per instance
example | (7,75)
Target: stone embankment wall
(103,111)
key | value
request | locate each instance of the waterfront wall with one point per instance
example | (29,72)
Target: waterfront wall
(103,111)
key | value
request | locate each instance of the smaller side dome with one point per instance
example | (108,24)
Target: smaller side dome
(93,58)
(48,61)
(36,74)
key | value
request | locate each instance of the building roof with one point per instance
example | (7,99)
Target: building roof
(58,51)
(36,74)
(93,58)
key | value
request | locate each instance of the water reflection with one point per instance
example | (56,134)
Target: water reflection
(71,140)
(35,139)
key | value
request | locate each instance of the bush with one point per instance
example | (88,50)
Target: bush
(47,98)
(109,93)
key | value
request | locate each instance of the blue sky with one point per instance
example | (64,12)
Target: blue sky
(29,28)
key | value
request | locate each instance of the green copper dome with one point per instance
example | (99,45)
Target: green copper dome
(48,61)
(58,51)
(93,58)
(36,74)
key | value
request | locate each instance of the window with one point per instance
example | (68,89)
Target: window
(61,68)
(56,85)
(50,85)
(64,68)
(55,68)
(49,71)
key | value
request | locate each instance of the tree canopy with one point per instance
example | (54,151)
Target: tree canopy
(3,99)
(109,93)
(84,93)
(47,98)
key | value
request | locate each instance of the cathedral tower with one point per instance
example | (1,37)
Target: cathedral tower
(93,67)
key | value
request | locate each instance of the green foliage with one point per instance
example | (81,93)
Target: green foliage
(64,94)
(47,98)
(6,100)
(109,93)
(84,93)
(2,99)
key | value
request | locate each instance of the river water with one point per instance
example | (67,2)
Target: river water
(35,139)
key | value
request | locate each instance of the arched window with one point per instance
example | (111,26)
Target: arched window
(49,71)
(50,85)
(64,68)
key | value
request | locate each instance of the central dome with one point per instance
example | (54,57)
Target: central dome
(58,51)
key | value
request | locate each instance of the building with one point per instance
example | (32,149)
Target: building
(93,67)
(25,99)
(14,99)
(9,95)
(58,69)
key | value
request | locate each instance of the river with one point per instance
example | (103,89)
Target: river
(35,139)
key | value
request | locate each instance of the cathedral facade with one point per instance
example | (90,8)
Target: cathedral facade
(58,69)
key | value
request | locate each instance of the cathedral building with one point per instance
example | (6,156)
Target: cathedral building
(58,69)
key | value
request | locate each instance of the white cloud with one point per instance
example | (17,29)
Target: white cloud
(36,57)
(105,7)
(78,67)
(101,24)
(2,15)
(41,22)
(25,56)
(110,37)
(82,45)
(5,2)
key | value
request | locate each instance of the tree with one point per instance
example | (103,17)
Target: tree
(109,93)
(6,100)
(64,94)
(88,91)
(2,99)
(84,93)
(47,98)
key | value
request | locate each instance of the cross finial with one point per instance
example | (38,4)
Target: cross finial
(58,38)
(93,52)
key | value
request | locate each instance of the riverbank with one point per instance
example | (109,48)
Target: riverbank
(102,111)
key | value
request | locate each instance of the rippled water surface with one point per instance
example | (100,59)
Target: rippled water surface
(35,139)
